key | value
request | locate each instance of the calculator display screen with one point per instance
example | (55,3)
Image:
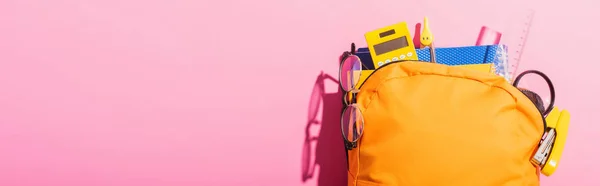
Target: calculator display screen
(390,45)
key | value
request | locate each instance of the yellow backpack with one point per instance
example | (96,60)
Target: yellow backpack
(414,123)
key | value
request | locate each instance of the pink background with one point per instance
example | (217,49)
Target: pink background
(187,92)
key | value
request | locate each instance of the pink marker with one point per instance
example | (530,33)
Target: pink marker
(488,36)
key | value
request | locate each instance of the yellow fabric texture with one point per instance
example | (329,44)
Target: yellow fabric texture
(430,124)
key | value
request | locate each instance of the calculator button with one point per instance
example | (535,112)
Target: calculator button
(388,60)
(402,56)
(395,59)
(380,63)
(409,54)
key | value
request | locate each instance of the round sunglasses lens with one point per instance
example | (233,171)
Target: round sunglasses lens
(350,72)
(538,90)
(352,123)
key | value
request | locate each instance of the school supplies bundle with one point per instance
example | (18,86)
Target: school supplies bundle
(443,116)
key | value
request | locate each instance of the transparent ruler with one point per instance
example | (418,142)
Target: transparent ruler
(517,34)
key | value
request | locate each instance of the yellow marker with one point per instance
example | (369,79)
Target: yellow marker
(562,128)
(427,39)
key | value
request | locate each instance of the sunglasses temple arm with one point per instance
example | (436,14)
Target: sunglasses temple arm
(327,76)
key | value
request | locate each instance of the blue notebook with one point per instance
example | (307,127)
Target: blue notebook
(451,55)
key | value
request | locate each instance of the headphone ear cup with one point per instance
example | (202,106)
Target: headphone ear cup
(535,98)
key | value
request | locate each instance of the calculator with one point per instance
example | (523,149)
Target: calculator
(391,43)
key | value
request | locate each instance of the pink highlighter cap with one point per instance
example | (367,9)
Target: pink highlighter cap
(488,36)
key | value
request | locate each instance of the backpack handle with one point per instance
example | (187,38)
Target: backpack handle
(550,85)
